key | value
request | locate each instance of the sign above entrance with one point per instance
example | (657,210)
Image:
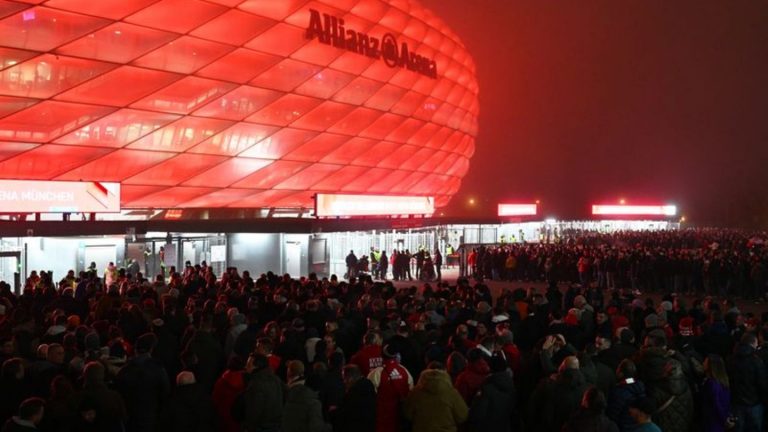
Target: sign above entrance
(40,196)
(330,30)
(342,205)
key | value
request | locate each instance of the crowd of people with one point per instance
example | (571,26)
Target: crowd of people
(199,351)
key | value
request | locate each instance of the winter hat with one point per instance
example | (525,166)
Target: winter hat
(686,326)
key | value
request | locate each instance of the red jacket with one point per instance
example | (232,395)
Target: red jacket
(368,358)
(225,391)
(471,379)
(274,362)
(512,353)
(393,383)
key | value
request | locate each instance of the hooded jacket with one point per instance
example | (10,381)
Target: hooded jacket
(225,392)
(494,409)
(263,398)
(434,405)
(469,381)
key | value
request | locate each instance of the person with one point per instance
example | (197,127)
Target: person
(225,392)
(715,396)
(302,411)
(383,265)
(392,382)
(108,405)
(30,415)
(15,388)
(434,405)
(590,417)
(262,401)
(627,390)
(641,410)
(357,412)
(369,356)
(470,379)
(144,386)
(351,262)
(556,397)
(494,409)
(190,408)
(749,385)
(110,274)
(438,264)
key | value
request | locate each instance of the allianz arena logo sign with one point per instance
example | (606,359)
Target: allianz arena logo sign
(330,30)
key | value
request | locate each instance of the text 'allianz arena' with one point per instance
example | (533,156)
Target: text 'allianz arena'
(235,103)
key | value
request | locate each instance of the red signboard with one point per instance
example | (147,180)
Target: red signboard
(39,196)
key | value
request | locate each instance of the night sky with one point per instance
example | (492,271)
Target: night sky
(593,101)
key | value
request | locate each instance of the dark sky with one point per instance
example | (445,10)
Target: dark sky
(587,101)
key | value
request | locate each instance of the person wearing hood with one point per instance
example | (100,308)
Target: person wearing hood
(470,379)
(494,409)
(434,405)
(590,417)
(225,392)
(557,397)
(627,390)
(189,408)
(749,384)
(665,381)
(303,411)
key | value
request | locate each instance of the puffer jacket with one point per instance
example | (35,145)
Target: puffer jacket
(619,400)
(263,400)
(495,407)
(225,392)
(667,385)
(434,405)
(747,374)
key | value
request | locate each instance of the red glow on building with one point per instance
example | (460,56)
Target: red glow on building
(220,103)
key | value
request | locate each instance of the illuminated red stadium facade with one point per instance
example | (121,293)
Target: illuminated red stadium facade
(235,103)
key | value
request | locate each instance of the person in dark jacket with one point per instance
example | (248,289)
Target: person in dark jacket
(628,389)
(15,389)
(749,385)
(31,413)
(591,417)
(303,411)
(357,412)
(557,397)
(263,397)
(666,383)
(494,409)
(209,353)
(107,404)
(144,386)
(189,407)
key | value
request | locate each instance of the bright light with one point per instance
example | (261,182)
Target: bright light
(332,205)
(635,210)
(622,201)
(471,201)
(550,220)
(517,209)
(538,202)
(32,196)
(682,219)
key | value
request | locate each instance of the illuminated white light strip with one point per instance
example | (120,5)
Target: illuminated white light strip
(517,209)
(637,210)
(332,205)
